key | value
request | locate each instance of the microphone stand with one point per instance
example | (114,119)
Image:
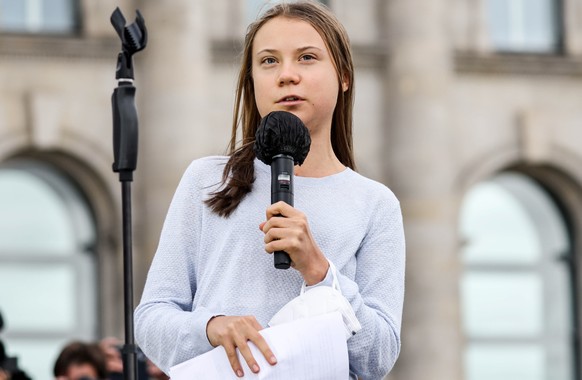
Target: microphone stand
(125,128)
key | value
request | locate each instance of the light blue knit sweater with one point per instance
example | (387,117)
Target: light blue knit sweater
(207,265)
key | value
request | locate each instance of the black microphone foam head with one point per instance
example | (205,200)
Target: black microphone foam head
(281,132)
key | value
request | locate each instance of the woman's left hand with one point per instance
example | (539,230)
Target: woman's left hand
(287,229)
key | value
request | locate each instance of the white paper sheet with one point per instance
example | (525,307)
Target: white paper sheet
(311,348)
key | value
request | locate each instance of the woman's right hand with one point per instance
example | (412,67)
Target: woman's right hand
(235,332)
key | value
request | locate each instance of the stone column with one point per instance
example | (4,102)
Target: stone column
(572,13)
(420,170)
(172,86)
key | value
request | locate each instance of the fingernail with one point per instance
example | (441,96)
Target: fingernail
(239,373)
(255,368)
(273,360)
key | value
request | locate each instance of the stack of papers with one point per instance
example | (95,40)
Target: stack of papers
(311,348)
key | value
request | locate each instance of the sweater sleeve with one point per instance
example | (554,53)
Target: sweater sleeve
(377,294)
(166,328)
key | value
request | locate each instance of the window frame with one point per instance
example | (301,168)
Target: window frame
(558,24)
(81,263)
(30,29)
(569,260)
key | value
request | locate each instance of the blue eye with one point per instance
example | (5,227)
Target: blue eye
(269,60)
(307,57)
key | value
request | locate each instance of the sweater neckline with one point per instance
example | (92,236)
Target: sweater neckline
(309,181)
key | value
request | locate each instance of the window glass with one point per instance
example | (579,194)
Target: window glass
(491,310)
(12,14)
(498,231)
(498,362)
(516,298)
(48,286)
(256,7)
(38,16)
(33,219)
(58,15)
(524,25)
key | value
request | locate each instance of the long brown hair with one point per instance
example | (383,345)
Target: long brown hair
(238,175)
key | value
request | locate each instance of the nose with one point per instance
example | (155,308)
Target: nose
(288,74)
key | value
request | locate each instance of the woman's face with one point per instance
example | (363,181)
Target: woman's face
(293,71)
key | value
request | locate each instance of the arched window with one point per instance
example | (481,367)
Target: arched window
(47,264)
(516,291)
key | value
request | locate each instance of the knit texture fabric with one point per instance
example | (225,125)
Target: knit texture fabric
(207,265)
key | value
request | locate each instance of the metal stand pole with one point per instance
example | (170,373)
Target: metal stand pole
(129,351)
(125,137)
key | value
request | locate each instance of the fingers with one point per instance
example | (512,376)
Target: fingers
(234,333)
(285,234)
(233,359)
(263,346)
(281,215)
(246,353)
(273,243)
(280,208)
(287,229)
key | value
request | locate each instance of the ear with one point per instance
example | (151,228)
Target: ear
(345,83)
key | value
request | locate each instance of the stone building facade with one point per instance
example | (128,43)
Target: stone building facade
(443,108)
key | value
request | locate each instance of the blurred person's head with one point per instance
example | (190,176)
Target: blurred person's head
(79,360)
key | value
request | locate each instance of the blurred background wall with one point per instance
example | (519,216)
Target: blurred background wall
(469,110)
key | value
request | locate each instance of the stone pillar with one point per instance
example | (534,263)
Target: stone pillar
(172,87)
(572,11)
(420,169)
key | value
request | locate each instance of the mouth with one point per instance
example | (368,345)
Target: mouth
(290,99)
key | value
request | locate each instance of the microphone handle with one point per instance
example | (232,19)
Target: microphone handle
(282,190)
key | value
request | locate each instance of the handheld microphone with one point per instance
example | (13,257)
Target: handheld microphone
(282,141)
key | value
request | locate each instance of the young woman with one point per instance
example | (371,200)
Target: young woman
(212,281)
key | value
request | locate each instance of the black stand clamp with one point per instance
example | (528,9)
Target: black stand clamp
(125,127)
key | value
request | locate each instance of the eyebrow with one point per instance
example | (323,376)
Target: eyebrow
(298,50)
